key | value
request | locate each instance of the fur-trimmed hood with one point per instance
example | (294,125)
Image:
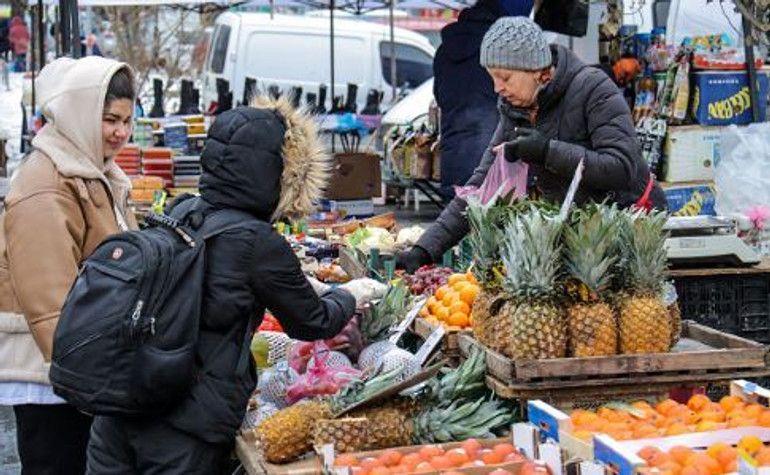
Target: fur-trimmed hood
(266,159)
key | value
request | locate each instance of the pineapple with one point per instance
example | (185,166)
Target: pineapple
(593,328)
(531,255)
(645,325)
(283,437)
(350,434)
(675,316)
(486,237)
(386,314)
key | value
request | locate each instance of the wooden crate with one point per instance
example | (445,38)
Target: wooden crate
(704,355)
(450,345)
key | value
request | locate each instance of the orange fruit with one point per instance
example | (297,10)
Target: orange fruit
(441,462)
(432,304)
(492,458)
(427,452)
(648,453)
(740,422)
(411,461)
(504,449)
(731,467)
(712,416)
(460,307)
(707,426)
(680,454)
(670,467)
(441,292)
(645,431)
(459,319)
(449,298)
(468,294)
(712,407)
(658,459)
(424,467)
(763,457)
(459,457)
(730,403)
(358,471)
(751,444)
(642,406)
(391,458)
(764,419)
(677,428)
(471,447)
(702,461)
(380,471)
(664,406)
(714,450)
(500,471)
(753,411)
(345,460)
(683,413)
(424,312)
(690,471)
(442,314)
(369,464)
(698,402)
(455,278)
(727,456)
(459,286)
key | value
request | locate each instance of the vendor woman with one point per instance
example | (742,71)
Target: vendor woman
(554,112)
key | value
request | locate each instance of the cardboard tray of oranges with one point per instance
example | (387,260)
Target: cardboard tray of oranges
(664,423)
(253,462)
(702,355)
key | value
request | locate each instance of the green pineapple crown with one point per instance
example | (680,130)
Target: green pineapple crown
(486,237)
(642,243)
(461,420)
(589,245)
(532,254)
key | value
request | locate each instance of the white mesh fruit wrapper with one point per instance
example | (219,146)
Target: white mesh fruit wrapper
(334,359)
(372,354)
(274,382)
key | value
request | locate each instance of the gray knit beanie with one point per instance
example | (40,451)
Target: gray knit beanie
(515,43)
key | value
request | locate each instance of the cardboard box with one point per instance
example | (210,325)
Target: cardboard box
(691,153)
(356,176)
(691,199)
(723,98)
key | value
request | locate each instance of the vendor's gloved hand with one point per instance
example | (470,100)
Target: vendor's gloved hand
(529,145)
(365,290)
(412,259)
(319,287)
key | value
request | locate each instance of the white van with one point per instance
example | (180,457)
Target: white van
(294,51)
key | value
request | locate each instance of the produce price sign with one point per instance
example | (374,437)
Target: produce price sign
(430,344)
(407,321)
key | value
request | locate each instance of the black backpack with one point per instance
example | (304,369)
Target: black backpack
(126,338)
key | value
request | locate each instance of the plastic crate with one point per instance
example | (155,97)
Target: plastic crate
(737,304)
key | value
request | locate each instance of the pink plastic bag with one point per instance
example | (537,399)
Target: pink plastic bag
(503,177)
(321,379)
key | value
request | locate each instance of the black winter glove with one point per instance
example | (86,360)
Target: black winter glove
(529,145)
(412,259)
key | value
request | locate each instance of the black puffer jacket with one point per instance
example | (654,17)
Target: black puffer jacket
(584,114)
(248,271)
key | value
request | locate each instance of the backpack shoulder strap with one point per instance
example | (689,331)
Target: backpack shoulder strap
(224,220)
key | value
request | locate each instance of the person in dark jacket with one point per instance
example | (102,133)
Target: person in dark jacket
(554,112)
(464,91)
(265,160)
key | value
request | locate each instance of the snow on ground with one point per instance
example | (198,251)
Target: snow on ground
(11,116)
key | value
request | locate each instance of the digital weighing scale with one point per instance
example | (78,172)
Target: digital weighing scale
(707,240)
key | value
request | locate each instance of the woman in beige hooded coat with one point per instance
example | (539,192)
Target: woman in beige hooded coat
(67,196)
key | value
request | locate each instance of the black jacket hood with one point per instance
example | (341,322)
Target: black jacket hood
(266,160)
(461,39)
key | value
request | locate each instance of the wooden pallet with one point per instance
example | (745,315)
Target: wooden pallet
(707,353)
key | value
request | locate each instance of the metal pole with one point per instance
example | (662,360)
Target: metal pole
(393,76)
(751,70)
(64,26)
(75,25)
(331,42)
(41,33)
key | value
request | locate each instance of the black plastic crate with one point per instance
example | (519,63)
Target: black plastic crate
(737,304)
